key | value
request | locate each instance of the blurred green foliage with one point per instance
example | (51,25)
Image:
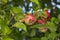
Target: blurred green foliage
(10,11)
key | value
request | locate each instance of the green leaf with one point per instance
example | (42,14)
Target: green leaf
(53,19)
(57,21)
(4,1)
(51,26)
(49,36)
(58,34)
(59,17)
(52,36)
(38,25)
(44,38)
(6,30)
(35,1)
(35,7)
(37,14)
(16,10)
(35,38)
(20,25)
(33,33)
(17,13)
(7,38)
(18,17)
(0,27)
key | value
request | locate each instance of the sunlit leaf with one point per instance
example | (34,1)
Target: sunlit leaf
(7,38)
(4,1)
(16,10)
(6,30)
(57,21)
(59,17)
(51,26)
(53,19)
(18,17)
(20,25)
(44,38)
(52,36)
(35,1)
